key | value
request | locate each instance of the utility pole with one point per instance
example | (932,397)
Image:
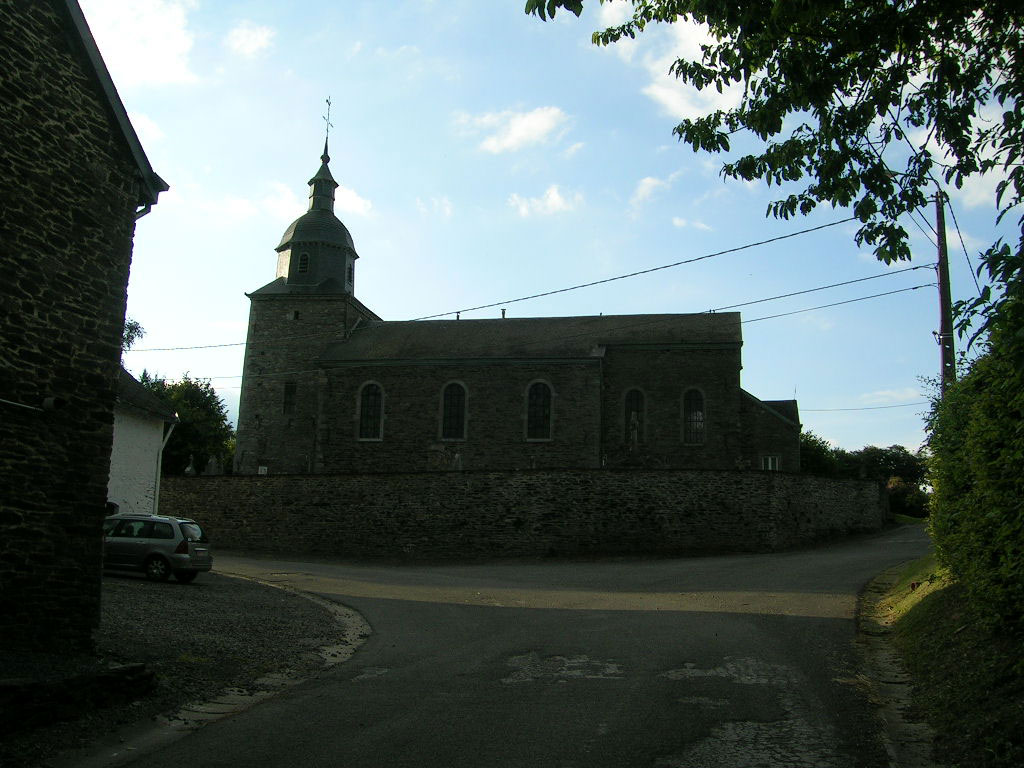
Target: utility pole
(945,338)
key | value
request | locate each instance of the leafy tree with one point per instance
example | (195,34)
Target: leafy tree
(203,431)
(867,102)
(817,457)
(133,331)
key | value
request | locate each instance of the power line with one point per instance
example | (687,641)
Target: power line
(838,303)
(639,272)
(888,273)
(821,288)
(538,295)
(863,408)
(963,245)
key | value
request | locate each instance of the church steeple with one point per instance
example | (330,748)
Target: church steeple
(322,185)
(316,251)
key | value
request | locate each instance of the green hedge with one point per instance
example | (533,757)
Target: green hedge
(977,472)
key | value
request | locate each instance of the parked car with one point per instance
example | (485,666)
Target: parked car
(157,545)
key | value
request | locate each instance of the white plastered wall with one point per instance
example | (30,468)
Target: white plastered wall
(135,461)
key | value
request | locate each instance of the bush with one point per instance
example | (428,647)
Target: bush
(906,498)
(976,436)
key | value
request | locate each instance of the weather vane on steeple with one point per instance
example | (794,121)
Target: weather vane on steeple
(327,117)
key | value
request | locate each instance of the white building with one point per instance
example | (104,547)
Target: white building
(142,424)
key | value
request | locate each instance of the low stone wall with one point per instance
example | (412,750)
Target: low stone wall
(531,513)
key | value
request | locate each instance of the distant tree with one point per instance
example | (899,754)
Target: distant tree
(203,431)
(817,456)
(133,331)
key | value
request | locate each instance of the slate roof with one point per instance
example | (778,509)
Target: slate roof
(786,410)
(529,338)
(131,393)
(318,226)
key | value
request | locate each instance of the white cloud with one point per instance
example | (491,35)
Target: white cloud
(614,13)
(248,39)
(551,202)
(146,128)
(979,190)
(889,396)
(282,204)
(656,50)
(348,201)
(145,42)
(645,189)
(437,206)
(649,186)
(818,321)
(511,131)
(695,223)
(572,150)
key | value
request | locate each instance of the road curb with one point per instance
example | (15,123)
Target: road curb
(908,741)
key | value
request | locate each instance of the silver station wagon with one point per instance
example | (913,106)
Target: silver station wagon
(156,545)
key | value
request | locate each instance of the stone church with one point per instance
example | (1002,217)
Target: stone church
(330,387)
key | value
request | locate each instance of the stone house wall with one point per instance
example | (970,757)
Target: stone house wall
(663,375)
(495,436)
(68,194)
(767,434)
(455,515)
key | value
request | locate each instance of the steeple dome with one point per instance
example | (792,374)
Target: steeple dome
(317,248)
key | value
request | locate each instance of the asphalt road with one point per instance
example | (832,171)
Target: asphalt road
(713,662)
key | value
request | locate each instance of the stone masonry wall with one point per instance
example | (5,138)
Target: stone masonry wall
(286,334)
(67,199)
(496,400)
(534,513)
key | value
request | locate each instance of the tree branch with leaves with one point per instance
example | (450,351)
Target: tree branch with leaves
(870,103)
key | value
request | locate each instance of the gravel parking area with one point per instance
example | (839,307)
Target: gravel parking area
(197,638)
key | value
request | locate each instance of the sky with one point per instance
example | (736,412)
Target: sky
(484,156)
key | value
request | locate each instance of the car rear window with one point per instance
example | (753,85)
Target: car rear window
(192,532)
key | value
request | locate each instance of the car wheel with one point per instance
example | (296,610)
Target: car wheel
(186,577)
(157,569)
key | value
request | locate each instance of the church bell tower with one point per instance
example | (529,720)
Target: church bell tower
(309,304)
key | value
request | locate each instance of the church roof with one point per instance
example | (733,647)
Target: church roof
(317,226)
(529,338)
(786,410)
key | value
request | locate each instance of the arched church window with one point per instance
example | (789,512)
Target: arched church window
(538,411)
(453,412)
(351,274)
(694,426)
(633,414)
(371,412)
(303,262)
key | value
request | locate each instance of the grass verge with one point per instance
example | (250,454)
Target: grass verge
(968,677)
